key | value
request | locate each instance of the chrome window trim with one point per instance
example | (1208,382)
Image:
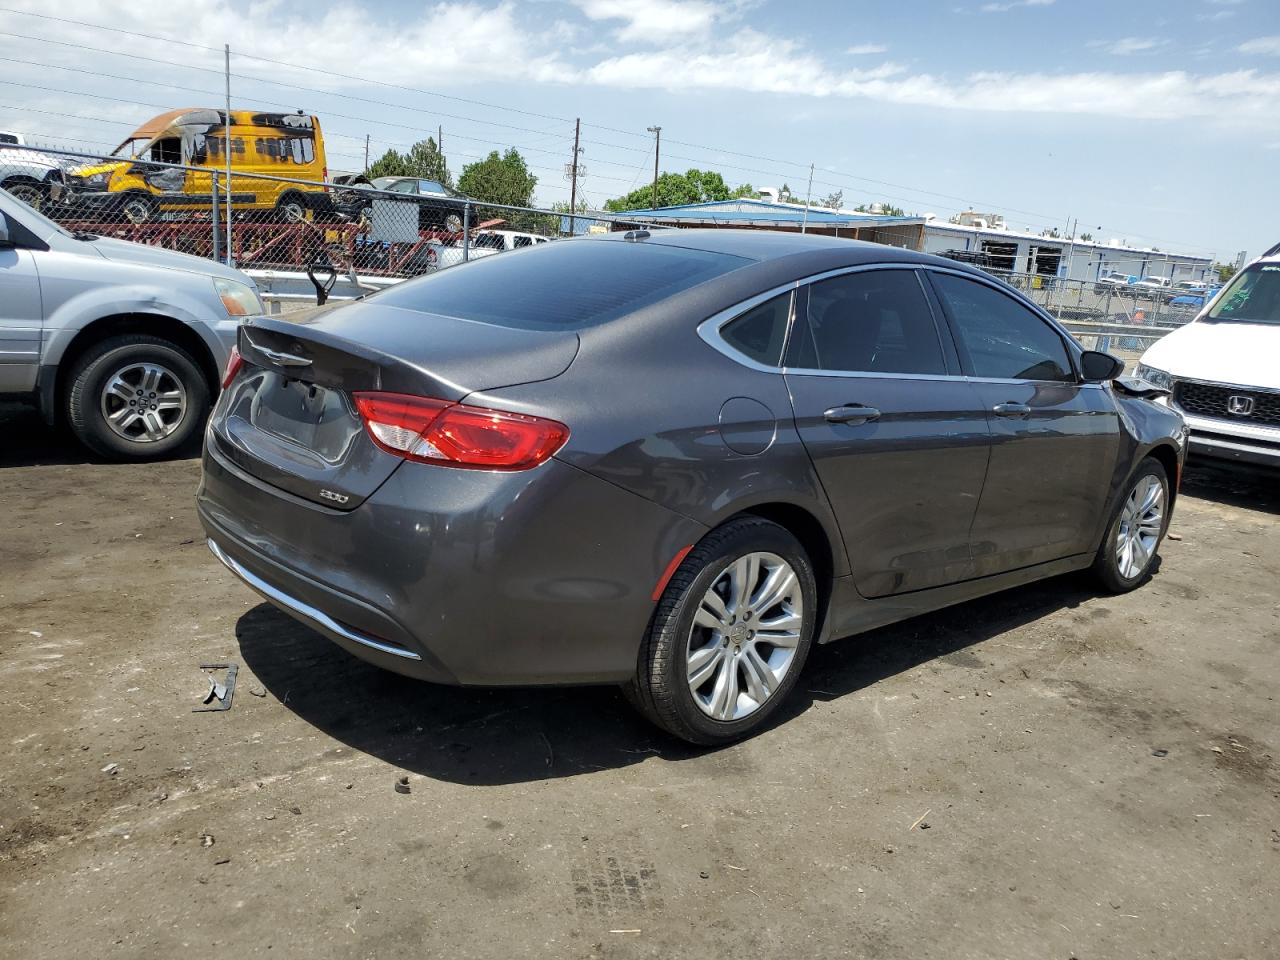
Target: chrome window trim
(709,329)
(304,610)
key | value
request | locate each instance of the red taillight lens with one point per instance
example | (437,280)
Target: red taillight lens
(456,435)
(234,363)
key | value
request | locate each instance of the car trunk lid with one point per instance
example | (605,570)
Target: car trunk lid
(289,418)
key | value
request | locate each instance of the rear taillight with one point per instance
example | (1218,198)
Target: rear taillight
(234,363)
(458,435)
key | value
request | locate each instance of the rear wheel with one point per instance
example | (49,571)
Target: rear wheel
(30,192)
(291,208)
(730,634)
(136,397)
(1128,551)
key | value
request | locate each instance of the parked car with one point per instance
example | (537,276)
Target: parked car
(484,243)
(29,175)
(1221,370)
(674,461)
(439,206)
(146,181)
(1114,283)
(125,342)
(1150,288)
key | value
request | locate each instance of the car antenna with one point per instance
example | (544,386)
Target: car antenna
(634,235)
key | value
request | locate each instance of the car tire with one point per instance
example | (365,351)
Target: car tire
(1131,544)
(291,208)
(103,395)
(138,208)
(713,685)
(31,192)
(452,223)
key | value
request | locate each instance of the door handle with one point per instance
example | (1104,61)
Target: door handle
(1011,409)
(852,414)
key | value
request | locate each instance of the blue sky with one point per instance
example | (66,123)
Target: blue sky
(1153,121)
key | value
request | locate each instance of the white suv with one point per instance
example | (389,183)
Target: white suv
(1223,369)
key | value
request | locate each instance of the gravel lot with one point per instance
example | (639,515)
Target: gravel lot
(1042,774)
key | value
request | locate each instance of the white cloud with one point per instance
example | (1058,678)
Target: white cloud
(1129,45)
(656,21)
(1013,5)
(864,49)
(1265,46)
(752,62)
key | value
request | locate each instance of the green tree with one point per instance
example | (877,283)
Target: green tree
(1225,271)
(834,200)
(886,209)
(1086,237)
(674,189)
(744,191)
(499,179)
(423,159)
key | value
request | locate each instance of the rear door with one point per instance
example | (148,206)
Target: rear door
(898,437)
(21,319)
(1054,439)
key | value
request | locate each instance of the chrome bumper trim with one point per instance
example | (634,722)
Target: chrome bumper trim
(306,611)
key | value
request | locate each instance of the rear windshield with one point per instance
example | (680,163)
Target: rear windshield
(565,285)
(1252,297)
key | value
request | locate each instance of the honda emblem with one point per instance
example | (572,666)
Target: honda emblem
(1240,406)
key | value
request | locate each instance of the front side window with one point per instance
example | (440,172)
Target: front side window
(1002,339)
(1252,297)
(873,321)
(759,333)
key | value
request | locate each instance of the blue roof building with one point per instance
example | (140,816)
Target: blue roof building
(762,215)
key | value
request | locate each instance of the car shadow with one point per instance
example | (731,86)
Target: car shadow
(1232,484)
(30,442)
(503,736)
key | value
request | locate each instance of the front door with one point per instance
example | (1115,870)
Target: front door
(21,319)
(898,438)
(1054,440)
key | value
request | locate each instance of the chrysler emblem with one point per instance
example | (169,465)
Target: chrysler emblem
(1240,406)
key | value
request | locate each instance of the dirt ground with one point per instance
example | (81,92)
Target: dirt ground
(1047,773)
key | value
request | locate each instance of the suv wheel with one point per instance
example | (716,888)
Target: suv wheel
(136,397)
(730,634)
(1128,550)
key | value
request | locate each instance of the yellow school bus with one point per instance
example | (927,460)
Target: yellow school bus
(276,144)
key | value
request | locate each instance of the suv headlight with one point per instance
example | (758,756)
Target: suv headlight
(1154,376)
(239,299)
(98,181)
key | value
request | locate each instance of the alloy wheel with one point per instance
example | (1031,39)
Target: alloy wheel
(29,194)
(143,402)
(744,636)
(1141,522)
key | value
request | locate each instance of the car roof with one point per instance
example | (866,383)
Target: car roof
(774,244)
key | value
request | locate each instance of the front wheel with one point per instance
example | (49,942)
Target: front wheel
(1128,551)
(730,634)
(136,397)
(30,192)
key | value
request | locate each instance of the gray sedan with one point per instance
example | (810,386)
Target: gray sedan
(673,461)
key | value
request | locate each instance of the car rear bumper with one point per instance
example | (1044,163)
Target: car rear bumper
(457,576)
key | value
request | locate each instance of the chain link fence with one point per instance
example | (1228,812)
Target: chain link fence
(289,233)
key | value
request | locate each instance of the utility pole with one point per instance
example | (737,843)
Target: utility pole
(808,194)
(366,154)
(440,137)
(226,48)
(573,175)
(657,146)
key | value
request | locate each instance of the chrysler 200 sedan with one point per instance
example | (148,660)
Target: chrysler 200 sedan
(673,461)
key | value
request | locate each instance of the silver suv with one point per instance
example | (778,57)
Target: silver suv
(128,343)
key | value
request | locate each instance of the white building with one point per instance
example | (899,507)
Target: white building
(981,236)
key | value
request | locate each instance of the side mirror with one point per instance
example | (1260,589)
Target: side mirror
(1096,366)
(5,240)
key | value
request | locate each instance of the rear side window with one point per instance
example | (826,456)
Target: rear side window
(566,285)
(1002,339)
(874,321)
(759,333)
